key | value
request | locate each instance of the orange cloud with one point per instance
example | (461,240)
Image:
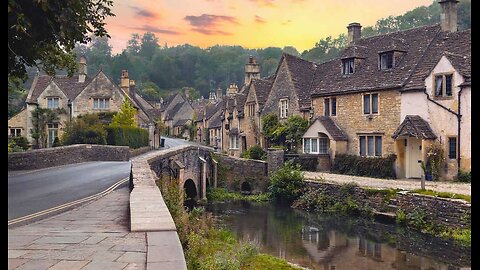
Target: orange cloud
(259,19)
(140,12)
(266,3)
(154,29)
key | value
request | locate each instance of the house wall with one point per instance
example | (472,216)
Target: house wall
(52,90)
(282,87)
(19,121)
(251,124)
(466,130)
(234,123)
(99,87)
(351,120)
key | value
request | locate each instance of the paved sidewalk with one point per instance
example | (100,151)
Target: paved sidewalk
(93,236)
(406,184)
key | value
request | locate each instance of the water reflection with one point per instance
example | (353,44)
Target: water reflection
(336,243)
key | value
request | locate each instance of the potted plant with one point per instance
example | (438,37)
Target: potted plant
(427,170)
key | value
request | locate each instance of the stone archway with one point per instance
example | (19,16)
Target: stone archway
(246,188)
(190,189)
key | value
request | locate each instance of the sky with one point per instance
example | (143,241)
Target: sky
(249,23)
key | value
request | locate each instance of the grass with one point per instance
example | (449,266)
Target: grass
(449,195)
(267,262)
(222,194)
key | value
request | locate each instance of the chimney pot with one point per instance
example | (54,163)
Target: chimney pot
(354,32)
(124,81)
(82,69)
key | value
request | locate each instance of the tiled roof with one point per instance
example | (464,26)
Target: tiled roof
(302,72)
(455,46)
(328,78)
(68,85)
(180,122)
(171,113)
(333,129)
(415,126)
(262,89)
(233,131)
(216,121)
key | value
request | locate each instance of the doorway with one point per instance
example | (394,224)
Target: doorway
(414,158)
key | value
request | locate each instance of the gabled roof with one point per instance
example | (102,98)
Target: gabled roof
(181,122)
(413,43)
(414,126)
(171,113)
(302,72)
(68,85)
(262,89)
(216,120)
(456,47)
(335,131)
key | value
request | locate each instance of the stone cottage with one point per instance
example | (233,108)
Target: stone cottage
(80,94)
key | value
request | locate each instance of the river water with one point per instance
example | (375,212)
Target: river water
(327,242)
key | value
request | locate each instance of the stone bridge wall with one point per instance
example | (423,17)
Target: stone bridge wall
(232,172)
(50,157)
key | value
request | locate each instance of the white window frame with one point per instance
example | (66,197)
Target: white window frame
(51,102)
(17,132)
(233,142)
(283,105)
(375,136)
(52,127)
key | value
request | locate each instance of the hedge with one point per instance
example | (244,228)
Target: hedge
(127,136)
(377,167)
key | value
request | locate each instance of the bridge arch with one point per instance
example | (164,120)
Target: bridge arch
(246,187)
(190,189)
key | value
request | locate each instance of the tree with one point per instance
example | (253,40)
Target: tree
(291,50)
(44,33)
(133,44)
(16,96)
(126,116)
(87,128)
(269,124)
(40,118)
(149,45)
(191,93)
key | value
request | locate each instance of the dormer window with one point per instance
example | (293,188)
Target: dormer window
(386,60)
(443,85)
(348,66)
(52,102)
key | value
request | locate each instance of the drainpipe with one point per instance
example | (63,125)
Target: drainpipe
(459,117)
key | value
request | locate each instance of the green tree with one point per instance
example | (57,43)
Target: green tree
(287,183)
(270,124)
(87,128)
(133,44)
(16,96)
(295,128)
(126,116)
(44,33)
(149,45)
(40,118)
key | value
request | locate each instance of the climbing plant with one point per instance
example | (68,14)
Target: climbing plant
(40,118)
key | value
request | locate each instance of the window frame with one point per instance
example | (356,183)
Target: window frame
(444,85)
(283,109)
(366,140)
(332,109)
(101,103)
(51,102)
(351,66)
(449,138)
(380,57)
(234,142)
(52,127)
(251,109)
(370,107)
(17,132)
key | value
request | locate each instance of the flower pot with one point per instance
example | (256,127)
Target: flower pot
(428,177)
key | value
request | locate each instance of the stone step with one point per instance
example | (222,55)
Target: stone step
(393,201)
(392,208)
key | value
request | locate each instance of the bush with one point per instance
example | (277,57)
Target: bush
(86,128)
(255,152)
(130,136)
(364,166)
(463,176)
(287,184)
(21,142)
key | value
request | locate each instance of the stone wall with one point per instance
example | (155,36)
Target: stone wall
(50,157)
(139,151)
(275,160)
(447,212)
(311,162)
(232,172)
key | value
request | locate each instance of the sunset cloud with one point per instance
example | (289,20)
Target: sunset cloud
(259,19)
(266,3)
(154,29)
(140,12)
(207,23)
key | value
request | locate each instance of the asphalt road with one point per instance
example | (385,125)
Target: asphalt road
(34,191)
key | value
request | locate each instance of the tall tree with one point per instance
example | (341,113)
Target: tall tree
(149,45)
(44,33)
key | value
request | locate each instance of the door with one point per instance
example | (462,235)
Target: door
(414,158)
(244,143)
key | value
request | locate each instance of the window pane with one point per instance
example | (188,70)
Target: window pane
(366,104)
(452,148)
(49,103)
(101,103)
(323,145)
(378,146)
(306,146)
(334,106)
(351,66)
(370,146)
(55,103)
(438,85)
(107,103)
(314,146)
(362,146)
(389,60)
(448,85)
(95,103)
(374,103)
(327,106)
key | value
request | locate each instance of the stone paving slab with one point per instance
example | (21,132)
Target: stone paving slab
(406,184)
(93,236)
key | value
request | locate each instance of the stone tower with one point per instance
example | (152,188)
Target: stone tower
(252,70)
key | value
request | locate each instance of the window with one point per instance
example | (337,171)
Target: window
(348,66)
(370,104)
(233,142)
(52,103)
(283,108)
(443,85)
(330,105)
(101,103)
(52,133)
(370,145)
(251,109)
(316,145)
(15,132)
(452,148)
(323,146)
(386,60)
(306,145)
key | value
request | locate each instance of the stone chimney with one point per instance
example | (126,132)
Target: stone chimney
(82,69)
(354,32)
(232,90)
(131,89)
(252,70)
(124,81)
(448,15)
(219,93)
